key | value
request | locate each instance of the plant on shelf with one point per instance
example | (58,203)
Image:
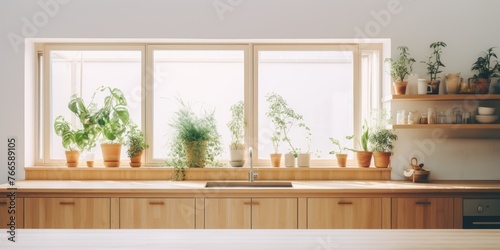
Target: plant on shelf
(72,140)
(487,67)
(196,141)
(434,64)
(400,68)
(136,143)
(364,156)
(284,119)
(236,126)
(381,139)
(341,157)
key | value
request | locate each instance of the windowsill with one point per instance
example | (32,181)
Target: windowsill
(208,173)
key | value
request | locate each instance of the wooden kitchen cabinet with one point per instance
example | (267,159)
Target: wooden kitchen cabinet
(17,212)
(157,213)
(71,213)
(246,213)
(422,213)
(344,213)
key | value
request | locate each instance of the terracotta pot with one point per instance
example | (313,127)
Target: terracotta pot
(196,153)
(111,154)
(276,160)
(483,85)
(364,158)
(304,160)
(381,159)
(89,158)
(72,158)
(434,86)
(136,160)
(400,88)
(341,160)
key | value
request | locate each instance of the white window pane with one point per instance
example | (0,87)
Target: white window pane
(205,79)
(82,72)
(318,85)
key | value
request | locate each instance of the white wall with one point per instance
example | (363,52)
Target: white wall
(467,26)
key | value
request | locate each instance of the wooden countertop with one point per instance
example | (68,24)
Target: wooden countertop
(56,239)
(197,188)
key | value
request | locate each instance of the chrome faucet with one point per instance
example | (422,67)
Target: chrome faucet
(251,175)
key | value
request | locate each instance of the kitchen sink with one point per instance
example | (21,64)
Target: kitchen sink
(236,184)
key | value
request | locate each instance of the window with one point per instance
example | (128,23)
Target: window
(333,86)
(211,78)
(81,70)
(318,83)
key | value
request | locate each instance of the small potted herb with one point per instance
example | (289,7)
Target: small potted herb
(381,139)
(341,157)
(237,128)
(487,67)
(72,140)
(434,64)
(400,68)
(136,143)
(364,156)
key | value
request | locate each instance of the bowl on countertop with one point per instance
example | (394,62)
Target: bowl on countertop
(485,111)
(486,118)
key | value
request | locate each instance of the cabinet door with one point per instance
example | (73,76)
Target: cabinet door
(348,213)
(67,213)
(157,213)
(274,213)
(227,213)
(418,213)
(7,210)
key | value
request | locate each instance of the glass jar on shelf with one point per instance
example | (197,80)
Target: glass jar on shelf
(423,118)
(413,117)
(431,116)
(441,117)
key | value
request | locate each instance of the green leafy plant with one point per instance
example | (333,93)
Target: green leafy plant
(434,62)
(486,65)
(381,137)
(341,147)
(72,138)
(402,66)
(365,135)
(201,132)
(237,126)
(113,117)
(86,115)
(136,142)
(284,119)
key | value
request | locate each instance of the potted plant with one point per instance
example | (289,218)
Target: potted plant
(381,139)
(341,157)
(90,127)
(237,128)
(400,68)
(136,143)
(284,119)
(113,120)
(364,156)
(434,64)
(276,156)
(196,141)
(486,67)
(72,140)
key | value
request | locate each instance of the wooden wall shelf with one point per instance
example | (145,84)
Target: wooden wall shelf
(457,97)
(447,126)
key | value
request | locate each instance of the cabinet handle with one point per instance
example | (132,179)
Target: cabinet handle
(3,203)
(423,202)
(67,203)
(251,203)
(156,203)
(344,202)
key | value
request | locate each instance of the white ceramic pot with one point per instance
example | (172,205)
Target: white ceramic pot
(237,155)
(289,161)
(304,160)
